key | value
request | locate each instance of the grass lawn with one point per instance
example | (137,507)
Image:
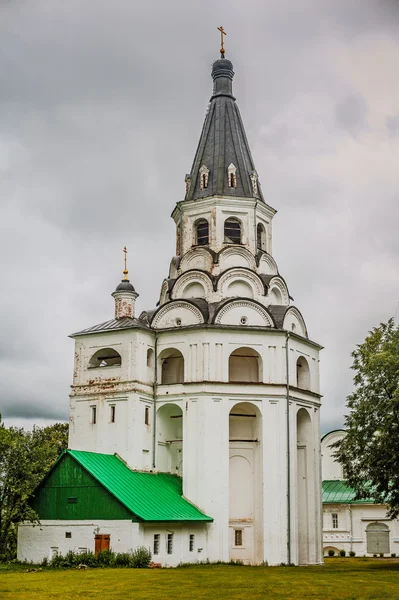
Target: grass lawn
(340,578)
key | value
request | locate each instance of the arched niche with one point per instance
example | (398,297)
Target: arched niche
(164,295)
(236,257)
(276,296)
(245,423)
(169,428)
(194,289)
(249,282)
(171,362)
(245,313)
(305,481)
(267,265)
(239,288)
(260,237)
(246,482)
(197,258)
(302,373)
(106,357)
(245,366)
(278,292)
(190,283)
(177,314)
(293,321)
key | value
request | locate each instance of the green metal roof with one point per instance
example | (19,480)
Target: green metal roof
(336,491)
(150,496)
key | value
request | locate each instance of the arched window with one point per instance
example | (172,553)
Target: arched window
(106,357)
(302,373)
(204,177)
(245,366)
(169,428)
(260,237)
(232,231)
(150,358)
(232,175)
(172,366)
(201,233)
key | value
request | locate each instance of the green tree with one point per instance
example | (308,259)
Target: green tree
(25,458)
(370,451)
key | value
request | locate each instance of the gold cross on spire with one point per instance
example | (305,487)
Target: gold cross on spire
(125,272)
(222,33)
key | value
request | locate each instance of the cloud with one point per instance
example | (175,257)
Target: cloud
(101,106)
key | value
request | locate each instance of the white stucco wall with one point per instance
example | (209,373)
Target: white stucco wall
(41,541)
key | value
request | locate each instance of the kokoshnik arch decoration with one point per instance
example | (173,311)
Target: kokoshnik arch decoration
(217,384)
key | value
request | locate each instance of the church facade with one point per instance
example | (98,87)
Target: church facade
(215,393)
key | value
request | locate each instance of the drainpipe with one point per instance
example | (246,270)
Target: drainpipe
(351,526)
(154,387)
(287,365)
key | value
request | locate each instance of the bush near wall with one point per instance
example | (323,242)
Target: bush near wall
(140,558)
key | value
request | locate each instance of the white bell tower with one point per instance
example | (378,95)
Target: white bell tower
(220,383)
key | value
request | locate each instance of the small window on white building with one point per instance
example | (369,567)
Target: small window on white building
(68,534)
(147,415)
(169,543)
(238,537)
(191,542)
(82,550)
(204,177)
(232,175)
(150,358)
(157,538)
(93,415)
(334,520)
(112,413)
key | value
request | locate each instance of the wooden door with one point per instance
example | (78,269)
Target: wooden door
(101,543)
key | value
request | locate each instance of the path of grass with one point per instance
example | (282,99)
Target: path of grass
(343,579)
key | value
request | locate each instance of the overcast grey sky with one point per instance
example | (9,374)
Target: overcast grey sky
(101,106)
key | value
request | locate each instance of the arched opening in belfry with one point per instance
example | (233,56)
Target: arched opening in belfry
(169,428)
(245,483)
(245,366)
(260,237)
(305,482)
(201,233)
(106,357)
(172,366)
(302,373)
(232,231)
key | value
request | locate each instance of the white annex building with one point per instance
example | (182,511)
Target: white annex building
(217,388)
(358,526)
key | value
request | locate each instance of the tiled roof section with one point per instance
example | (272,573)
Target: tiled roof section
(223,142)
(278,312)
(338,492)
(149,496)
(113,325)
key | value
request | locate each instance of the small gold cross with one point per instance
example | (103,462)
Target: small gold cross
(222,33)
(125,272)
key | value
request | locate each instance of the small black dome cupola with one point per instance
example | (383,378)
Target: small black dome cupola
(125,296)
(125,286)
